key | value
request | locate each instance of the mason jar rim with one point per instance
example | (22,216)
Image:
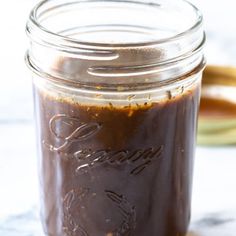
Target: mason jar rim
(155,60)
(54,39)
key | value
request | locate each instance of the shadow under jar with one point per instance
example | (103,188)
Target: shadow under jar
(116,88)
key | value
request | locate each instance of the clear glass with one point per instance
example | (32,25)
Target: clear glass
(116,87)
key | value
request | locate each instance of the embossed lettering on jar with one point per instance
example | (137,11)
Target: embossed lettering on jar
(116,89)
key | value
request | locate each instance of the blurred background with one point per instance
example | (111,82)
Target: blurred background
(214,193)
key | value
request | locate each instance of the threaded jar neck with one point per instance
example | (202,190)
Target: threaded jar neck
(115,43)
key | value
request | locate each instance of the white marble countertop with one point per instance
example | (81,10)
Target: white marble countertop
(214,190)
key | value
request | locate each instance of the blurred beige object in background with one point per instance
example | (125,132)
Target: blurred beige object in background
(217,117)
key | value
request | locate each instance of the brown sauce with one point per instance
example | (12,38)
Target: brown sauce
(116,171)
(217,108)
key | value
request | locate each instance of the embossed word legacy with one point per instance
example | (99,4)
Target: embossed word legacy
(87,158)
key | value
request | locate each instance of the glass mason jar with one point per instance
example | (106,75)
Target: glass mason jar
(116,89)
